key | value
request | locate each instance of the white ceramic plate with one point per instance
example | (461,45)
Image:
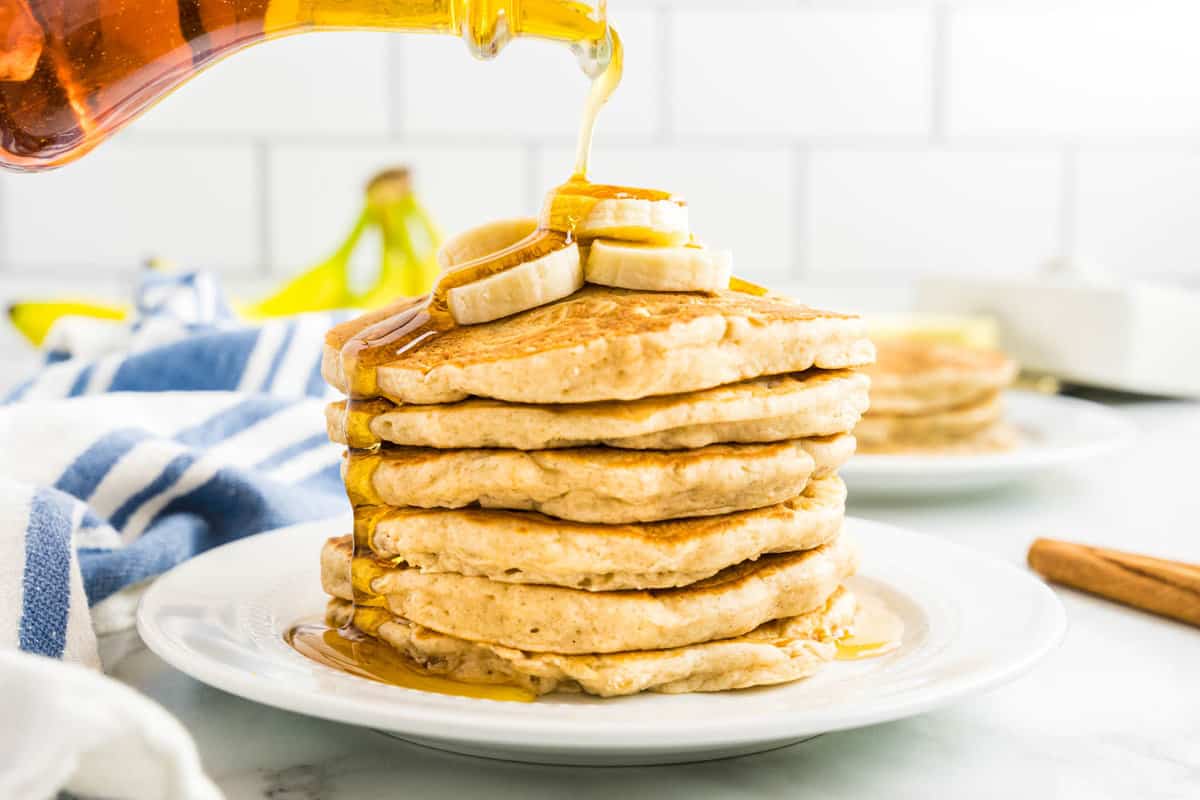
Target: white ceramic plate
(1056,431)
(971,622)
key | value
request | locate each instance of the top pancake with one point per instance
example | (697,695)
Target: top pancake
(912,377)
(613,344)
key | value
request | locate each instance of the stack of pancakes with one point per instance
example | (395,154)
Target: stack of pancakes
(936,397)
(617,492)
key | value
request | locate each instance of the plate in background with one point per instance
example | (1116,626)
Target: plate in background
(1056,431)
(221,617)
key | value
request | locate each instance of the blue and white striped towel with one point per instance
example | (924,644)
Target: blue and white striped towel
(138,446)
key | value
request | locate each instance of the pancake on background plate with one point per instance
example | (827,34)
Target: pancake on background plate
(936,397)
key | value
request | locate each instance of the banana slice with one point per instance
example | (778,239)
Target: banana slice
(534,283)
(483,240)
(630,219)
(658,269)
(661,222)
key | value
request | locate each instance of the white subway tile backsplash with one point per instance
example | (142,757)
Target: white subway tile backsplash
(1084,71)
(196,204)
(741,199)
(820,140)
(531,88)
(925,211)
(327,83)
(1138,214)
(812,72)
(316,191)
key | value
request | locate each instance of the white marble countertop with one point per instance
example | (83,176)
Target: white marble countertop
(1115,713)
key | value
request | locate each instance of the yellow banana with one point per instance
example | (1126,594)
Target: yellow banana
(34,318)
(408,264)
(410,241)
(320,288)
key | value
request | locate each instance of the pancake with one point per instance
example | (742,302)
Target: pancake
(996,438)
(594,484)
(876,430)
(551,619)
(526,547)
(795,406)
(913,377)
(612,344)
(775,652)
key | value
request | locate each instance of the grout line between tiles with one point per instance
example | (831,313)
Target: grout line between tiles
(393,64)
(1068,199)
(262,157)
(666,78)
(533,174)
(939,80)
(1171,144)
(801,212)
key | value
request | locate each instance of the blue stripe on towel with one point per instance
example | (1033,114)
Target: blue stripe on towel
(232,420)
(235,503)
(213,361)
(326,479)
(19,392)
(232,504)
(165,480)
(47,579)
(169,542)
(289,333)
(292,450)
(315,387)
(86,472)
(81,381)
(90,520)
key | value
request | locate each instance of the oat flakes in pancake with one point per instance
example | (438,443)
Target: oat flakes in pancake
(876,430)
(526,547)
(795,406)
(918,377)
(775,652)
(552,619)
(594,484)
(613,344)
(998,437)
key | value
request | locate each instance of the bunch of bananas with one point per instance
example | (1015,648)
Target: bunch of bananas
(408,267)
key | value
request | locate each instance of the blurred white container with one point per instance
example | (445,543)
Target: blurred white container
(1085,329)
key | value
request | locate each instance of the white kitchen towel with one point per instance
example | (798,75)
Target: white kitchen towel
(132,449)
(102,492)
(117,464)
(70,728)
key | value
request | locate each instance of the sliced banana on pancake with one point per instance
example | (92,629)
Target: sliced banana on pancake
(542,280)
(650,220)
(690,268)
(484,240)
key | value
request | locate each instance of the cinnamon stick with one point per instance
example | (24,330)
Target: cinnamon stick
(1167,588)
